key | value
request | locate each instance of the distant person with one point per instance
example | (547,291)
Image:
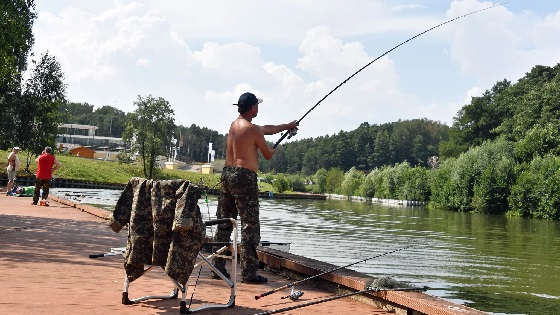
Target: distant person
(240,193)
(13,166)
(46,165)
(24,191)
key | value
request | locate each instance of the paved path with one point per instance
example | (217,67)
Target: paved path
(45,269)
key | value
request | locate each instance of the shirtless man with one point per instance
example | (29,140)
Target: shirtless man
(240,193)
(11,170)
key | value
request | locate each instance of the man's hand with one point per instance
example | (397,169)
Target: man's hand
(292,125)
(292,128)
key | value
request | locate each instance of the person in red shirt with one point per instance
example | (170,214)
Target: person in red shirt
(46,165)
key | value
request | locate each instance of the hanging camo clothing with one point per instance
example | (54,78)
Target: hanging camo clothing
(165,226)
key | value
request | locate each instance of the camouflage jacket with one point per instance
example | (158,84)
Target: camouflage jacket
(165,226)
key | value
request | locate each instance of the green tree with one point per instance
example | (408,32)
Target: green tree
(38,111)
(281,183)
(151,128)
(353,179)
(16,40)
(335,176)
(367,189)
(320,179)
(539,141)
(536,192)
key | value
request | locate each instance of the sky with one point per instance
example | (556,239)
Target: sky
(201,55)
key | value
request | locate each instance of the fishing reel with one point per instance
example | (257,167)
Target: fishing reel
(292,132)
(294,295)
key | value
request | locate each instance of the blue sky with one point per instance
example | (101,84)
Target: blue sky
(202,55)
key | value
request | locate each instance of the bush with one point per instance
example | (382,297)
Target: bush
(297,183)
(320,179)
(281,183)
(536,192)
(122,157)
(492,188)
(414,184)
(439,180)
(353,179)
(268,178)
(486,171)
(367,189)
(334,179)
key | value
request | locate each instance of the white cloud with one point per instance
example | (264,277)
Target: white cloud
(404,7)
(202,55)
(501,44)
(281,21)
(85,42)
(143,62)
(475,91)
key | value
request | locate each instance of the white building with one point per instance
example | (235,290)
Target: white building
(74,135)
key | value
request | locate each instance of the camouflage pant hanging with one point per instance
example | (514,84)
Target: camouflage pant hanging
(165,227)
(240,194)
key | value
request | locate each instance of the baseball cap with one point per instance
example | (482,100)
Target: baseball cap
(17,148)
(248,99)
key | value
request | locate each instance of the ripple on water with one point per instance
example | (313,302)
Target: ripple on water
(492,263)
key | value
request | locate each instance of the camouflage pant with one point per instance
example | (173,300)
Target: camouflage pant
(165,227)
(41,183)
(240,194)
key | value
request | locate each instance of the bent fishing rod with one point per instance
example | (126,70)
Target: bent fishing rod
(327,272)
(292,132)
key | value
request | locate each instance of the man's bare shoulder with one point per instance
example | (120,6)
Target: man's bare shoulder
(242,125)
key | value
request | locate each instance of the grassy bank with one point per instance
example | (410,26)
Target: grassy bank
(110,172)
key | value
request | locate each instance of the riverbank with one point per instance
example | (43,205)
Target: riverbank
(109,172)
(45,266)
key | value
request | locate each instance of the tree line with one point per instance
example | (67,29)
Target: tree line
(192,142)
(502,155)
(365,148)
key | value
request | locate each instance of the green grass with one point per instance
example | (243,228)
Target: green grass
(111,172)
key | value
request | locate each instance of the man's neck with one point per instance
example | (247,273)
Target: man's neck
(247,117)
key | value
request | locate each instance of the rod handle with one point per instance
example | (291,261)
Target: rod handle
(281,138)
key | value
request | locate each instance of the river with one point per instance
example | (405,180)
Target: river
(490,262)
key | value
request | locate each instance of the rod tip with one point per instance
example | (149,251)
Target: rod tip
(257,297)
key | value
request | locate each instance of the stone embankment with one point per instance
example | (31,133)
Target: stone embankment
(387,202)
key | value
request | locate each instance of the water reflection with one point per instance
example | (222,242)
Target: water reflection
(492,263)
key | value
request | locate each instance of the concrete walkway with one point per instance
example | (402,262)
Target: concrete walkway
(45,269)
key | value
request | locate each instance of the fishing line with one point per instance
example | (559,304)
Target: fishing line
(291,133)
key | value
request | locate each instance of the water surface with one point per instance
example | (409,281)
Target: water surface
(492,263)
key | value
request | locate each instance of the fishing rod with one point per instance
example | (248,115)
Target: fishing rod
(292,132)
(336,297)
(327,272)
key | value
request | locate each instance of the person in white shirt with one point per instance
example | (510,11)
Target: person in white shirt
(13,166)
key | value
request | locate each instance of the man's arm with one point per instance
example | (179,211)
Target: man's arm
(273,129)
(266,151)
(12,160)
(229,151)
(57,165)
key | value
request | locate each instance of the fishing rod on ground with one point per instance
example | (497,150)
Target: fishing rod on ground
(329,271)
(292,132)
(336,297)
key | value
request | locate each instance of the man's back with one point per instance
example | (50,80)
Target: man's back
(241,145)
(44,166)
